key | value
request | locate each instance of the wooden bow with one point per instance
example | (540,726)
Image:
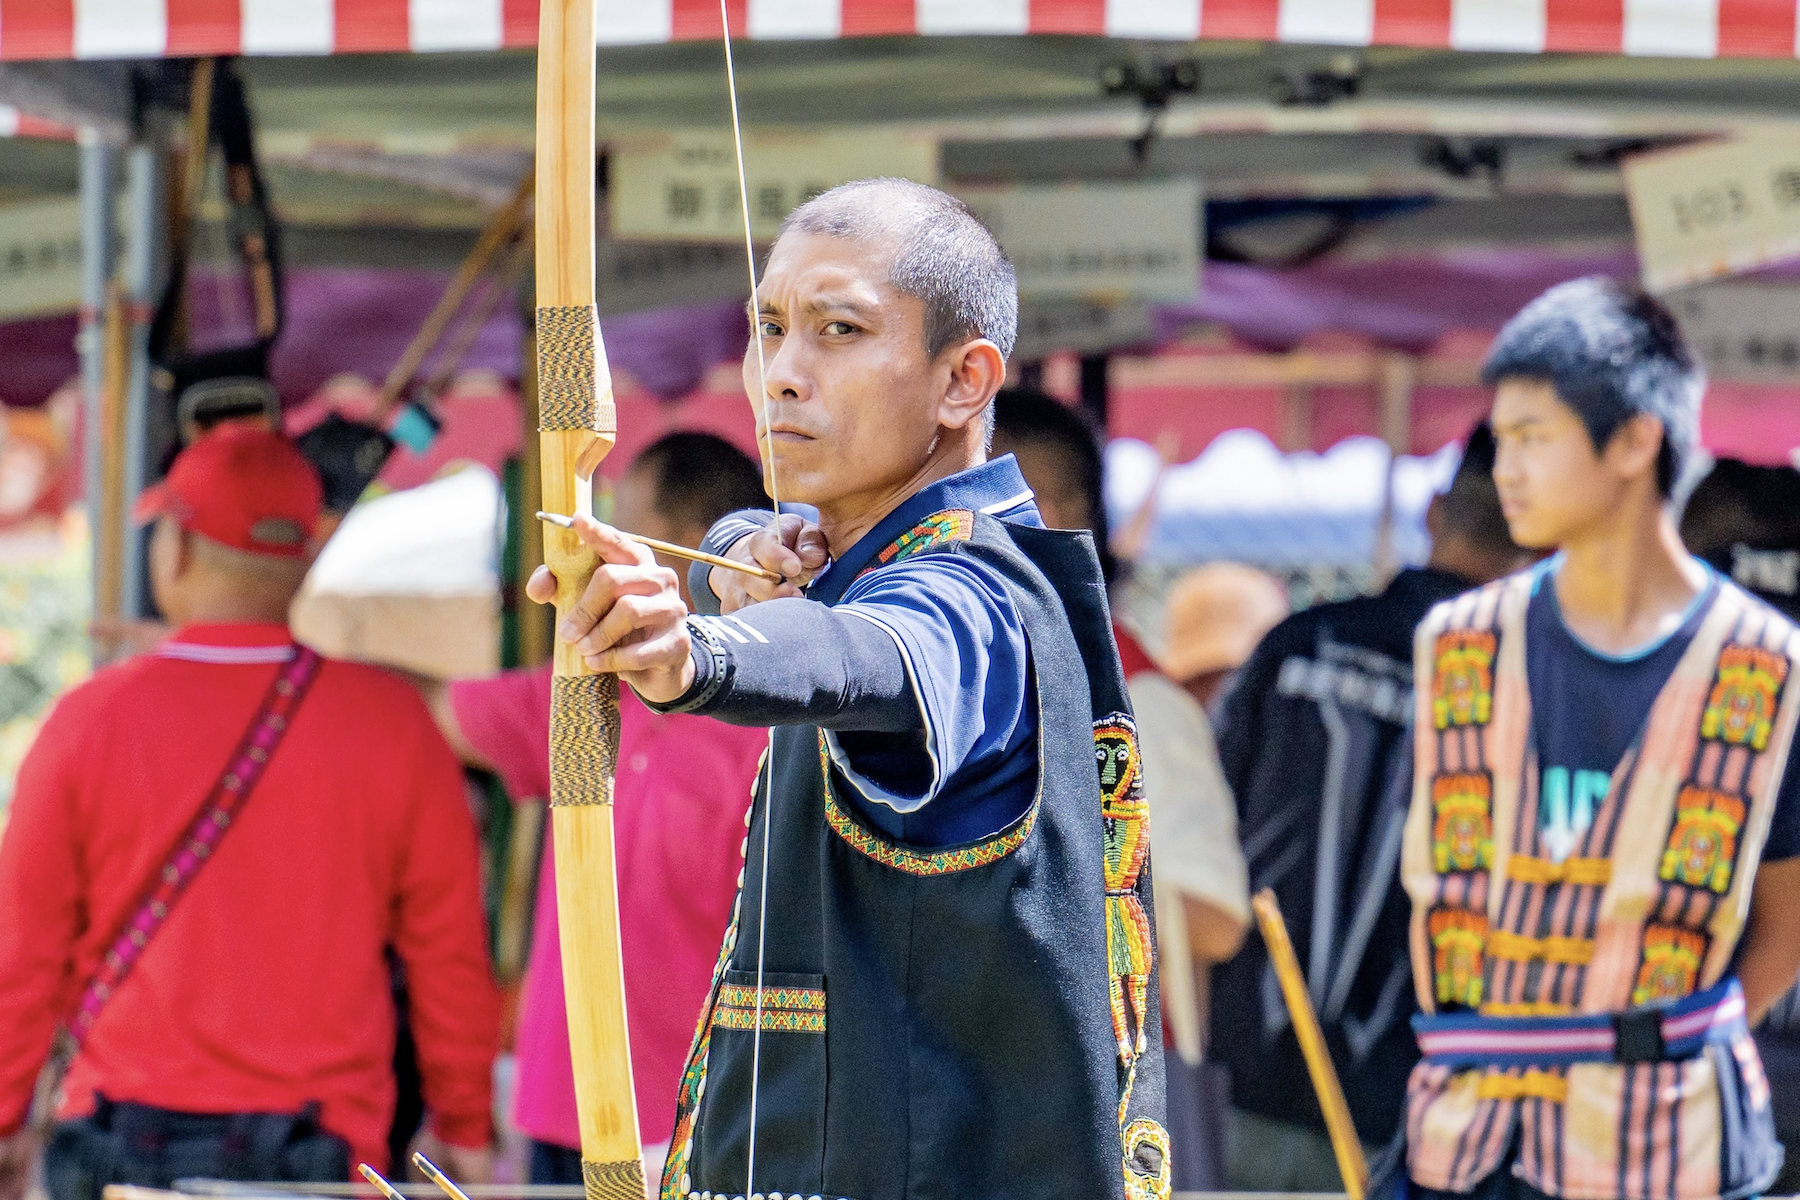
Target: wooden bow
(577,426)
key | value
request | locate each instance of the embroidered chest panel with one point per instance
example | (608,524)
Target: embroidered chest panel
(1547,905)
(939,529)
(1461,795)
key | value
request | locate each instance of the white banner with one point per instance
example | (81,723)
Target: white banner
(1704,212)
(683,185)
(1127,239)
(40,257)
(1745,331)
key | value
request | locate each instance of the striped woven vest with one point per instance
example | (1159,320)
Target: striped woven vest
(1647,908)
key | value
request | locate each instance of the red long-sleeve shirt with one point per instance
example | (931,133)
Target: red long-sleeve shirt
(266,988)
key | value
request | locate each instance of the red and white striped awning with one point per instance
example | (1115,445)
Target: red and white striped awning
(174,28)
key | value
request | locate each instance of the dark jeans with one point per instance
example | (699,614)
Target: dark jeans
(153,1147)
(551,1163)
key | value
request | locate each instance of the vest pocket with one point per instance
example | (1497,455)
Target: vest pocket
(790,1086)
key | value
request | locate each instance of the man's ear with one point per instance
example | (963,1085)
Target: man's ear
(977,371)
(1434,518)
(1634,446)
(185,549)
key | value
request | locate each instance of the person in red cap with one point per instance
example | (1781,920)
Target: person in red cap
(211,851)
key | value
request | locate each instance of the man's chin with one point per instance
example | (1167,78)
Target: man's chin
(1528,534)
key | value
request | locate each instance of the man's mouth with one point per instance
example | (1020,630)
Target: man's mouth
(786,433)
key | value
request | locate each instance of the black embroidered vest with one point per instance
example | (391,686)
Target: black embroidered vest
(979,1021)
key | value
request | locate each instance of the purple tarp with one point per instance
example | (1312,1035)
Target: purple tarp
(359,320)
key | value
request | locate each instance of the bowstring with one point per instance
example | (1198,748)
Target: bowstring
(768,448)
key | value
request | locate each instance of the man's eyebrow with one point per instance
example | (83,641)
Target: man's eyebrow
(839,303)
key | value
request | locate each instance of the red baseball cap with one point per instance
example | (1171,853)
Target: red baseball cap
(242,487)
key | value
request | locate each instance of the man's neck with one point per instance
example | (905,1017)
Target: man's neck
(1456,556)
(226,608)
(845,521)
(1627,581)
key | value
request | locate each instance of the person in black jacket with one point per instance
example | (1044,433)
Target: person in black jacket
(1312,738)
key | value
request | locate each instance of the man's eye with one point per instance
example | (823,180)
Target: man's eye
(839,328)
(770,329)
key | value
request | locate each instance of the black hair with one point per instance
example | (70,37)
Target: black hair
(699,477)
(1612,352)
(1470,507)
(1739,503)
(1031,417)
(943,255)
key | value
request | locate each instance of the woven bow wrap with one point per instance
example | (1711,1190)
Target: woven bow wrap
(577,426)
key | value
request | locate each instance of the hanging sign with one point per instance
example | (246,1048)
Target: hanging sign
(1716,209)
(635,276)
(40,257)
(683,185)
(1051,325)
(1126,239)
(1747,331)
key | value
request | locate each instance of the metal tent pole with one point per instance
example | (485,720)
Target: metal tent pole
(97,249)
(144,171)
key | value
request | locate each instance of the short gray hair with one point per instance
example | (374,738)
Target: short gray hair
(943,255)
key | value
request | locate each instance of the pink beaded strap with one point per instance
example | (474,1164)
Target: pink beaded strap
(201,838)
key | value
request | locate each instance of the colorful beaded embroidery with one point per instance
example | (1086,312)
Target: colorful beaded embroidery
(1462,830)
(774,1020)
(1457,938)
(1702,848)
(784,1009)
(940,528)
(1671,964)
(1745,694)
(1462,685)
(1125,826)
(1148,1171)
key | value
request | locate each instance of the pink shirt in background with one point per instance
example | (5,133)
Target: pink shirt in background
(683,788)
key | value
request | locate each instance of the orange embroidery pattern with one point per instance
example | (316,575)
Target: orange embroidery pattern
(1746,691)
(1462,685)
(1702,849)
(951,525)
(1462,832)
(1671,964)
(1457,938)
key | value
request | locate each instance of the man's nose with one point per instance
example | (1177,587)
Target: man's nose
(784,374)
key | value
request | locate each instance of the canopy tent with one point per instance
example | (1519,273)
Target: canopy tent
(176,28)
(1393,168)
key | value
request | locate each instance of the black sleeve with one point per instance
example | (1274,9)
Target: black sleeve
(799,662)
(721,537)
(1784,826)
(1240,726)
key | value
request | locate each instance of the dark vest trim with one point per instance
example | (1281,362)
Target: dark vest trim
(942,862)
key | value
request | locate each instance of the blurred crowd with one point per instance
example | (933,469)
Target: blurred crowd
(327,997)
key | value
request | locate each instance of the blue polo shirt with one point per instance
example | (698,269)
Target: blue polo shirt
(934,636)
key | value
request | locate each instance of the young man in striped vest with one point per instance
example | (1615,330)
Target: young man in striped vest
(1601,849)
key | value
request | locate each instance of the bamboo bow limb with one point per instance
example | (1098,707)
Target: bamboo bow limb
(577,427)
